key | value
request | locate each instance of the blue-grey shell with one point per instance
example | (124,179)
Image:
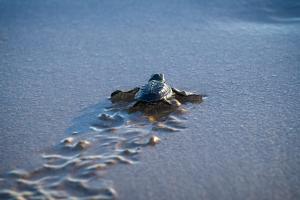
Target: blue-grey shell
(154,91)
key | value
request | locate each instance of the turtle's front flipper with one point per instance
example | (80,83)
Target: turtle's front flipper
(184,96)
(121,96)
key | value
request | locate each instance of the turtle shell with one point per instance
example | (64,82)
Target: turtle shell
(154,91)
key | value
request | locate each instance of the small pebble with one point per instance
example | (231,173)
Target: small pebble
(68,140)
(154,140)
(83,144)
(152,119)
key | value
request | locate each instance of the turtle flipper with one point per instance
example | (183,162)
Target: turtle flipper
(184,96)
(123,96)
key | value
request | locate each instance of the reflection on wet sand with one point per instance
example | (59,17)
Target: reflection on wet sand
(104,135)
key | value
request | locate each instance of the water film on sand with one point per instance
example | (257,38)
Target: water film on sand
(103,136)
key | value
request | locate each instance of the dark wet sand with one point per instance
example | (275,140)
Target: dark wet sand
(60,60)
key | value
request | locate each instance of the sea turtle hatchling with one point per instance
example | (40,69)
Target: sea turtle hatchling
(155,96)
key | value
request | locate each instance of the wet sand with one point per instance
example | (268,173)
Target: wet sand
(61,60)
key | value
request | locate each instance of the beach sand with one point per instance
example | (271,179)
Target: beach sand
(60,60)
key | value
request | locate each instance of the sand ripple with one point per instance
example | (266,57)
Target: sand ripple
(76,167)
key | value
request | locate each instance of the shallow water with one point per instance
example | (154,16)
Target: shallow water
(60,60)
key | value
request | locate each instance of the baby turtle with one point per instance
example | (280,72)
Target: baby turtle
(155,96)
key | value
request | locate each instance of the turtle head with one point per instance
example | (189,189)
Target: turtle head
(158,77)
